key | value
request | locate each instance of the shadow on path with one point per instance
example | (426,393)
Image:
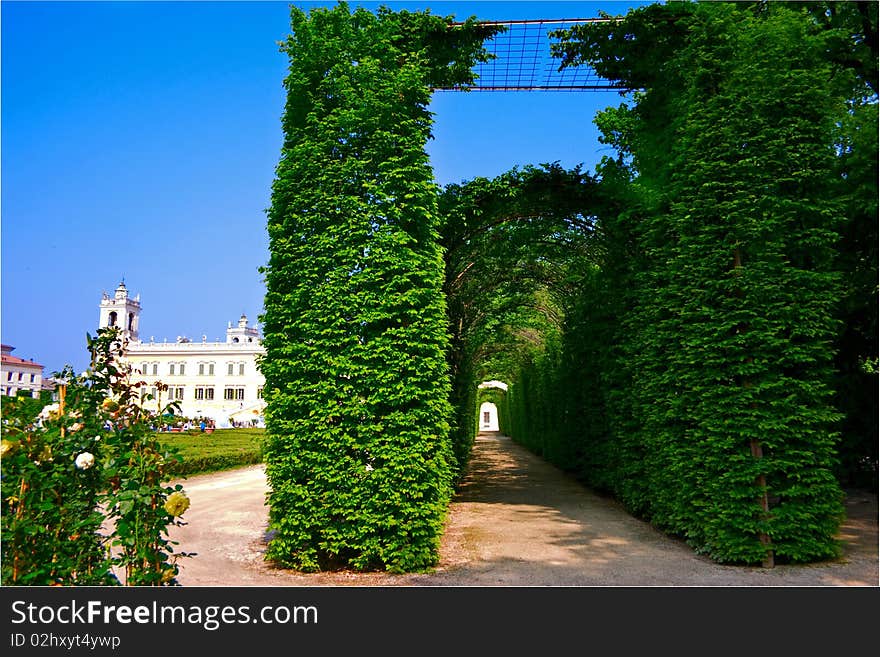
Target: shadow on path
(516,521)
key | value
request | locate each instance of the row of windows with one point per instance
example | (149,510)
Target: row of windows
(179,369)
(20,376)
(203,393)
(234,393)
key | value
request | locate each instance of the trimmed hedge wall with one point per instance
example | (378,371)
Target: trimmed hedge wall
(358,455)
(222,449)
(697,365)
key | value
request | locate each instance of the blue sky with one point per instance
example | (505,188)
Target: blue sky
(139,140)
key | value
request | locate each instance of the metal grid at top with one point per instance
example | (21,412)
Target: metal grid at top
(522,60)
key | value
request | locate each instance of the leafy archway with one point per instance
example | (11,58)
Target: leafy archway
(669,326)
(515,249)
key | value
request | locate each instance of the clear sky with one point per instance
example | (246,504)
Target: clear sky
(139,140)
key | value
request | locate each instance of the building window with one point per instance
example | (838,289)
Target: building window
(143,368)
(176,393)
(182,369)
(233,394)
(9,391)
(33,377)
(9,376)
(204,393)
(260,392)
(21,376)
(171,369)
(155,369)
(241,369)
(112,319)
(229,368)
(201,369)
(210,369)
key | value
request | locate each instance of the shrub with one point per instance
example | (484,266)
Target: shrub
(83,501)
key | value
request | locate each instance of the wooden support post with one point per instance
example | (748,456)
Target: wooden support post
(758,453)
(62,393)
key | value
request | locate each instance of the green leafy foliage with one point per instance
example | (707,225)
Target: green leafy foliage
(856,383)
(715,310)
(221,449)
(357,384)
(670,328)
(513,248)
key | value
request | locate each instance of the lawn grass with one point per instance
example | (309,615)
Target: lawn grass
(209,452)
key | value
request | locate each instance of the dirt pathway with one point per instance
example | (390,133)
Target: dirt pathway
(516,522)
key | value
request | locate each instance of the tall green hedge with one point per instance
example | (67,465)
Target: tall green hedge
(716,373)
(357,456)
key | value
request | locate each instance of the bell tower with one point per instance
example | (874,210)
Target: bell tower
(121,311)
(243,334)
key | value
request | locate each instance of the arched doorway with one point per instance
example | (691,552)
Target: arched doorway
(488,417)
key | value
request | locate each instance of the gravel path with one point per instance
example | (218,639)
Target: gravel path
(517,521)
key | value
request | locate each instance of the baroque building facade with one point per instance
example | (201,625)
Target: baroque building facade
(219,381)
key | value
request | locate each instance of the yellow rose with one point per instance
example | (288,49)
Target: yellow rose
(177,503)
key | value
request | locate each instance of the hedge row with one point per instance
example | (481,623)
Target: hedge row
(694,381)
(222,449)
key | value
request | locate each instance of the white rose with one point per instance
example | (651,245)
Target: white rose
(85,461)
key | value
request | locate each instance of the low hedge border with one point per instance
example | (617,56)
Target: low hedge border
(224,449)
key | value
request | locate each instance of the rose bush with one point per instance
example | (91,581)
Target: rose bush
(83,498)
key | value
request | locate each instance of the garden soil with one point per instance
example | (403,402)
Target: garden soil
(516,521)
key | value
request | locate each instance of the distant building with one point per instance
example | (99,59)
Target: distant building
(488,417)
(17,374)
(215,380)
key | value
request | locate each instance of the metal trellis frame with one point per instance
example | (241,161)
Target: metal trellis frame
(523,62)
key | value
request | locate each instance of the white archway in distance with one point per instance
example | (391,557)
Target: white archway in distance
(488,410)
(488,417)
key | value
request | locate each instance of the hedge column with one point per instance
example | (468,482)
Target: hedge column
(358,456)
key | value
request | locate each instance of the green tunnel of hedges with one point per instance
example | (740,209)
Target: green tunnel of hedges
(670,326)
(695,376)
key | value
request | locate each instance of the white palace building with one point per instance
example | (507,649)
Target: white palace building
(215,380)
